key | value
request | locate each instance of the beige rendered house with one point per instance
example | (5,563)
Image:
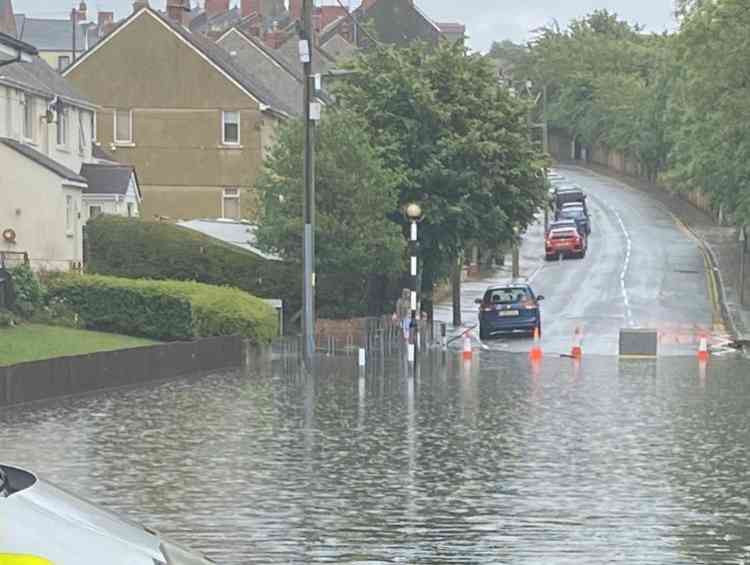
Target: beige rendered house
(193,122)
(46,128)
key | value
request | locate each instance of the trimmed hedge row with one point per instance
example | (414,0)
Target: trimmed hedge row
(140,249)
(165,310)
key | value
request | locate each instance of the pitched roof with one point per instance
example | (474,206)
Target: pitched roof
(108,178)
(266,66)
(38,77)
(51,35)
(43,160)
(339,47)
(210,51)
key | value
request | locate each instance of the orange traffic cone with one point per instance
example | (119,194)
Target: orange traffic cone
(577,351)
(536,349)
(703,349)
(468,353)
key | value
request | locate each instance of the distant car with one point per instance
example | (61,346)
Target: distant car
(565,242)
(578,204)
(509,309)
(579,216)
(559,224)
(572,194)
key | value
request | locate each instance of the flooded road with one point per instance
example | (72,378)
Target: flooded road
(495,462)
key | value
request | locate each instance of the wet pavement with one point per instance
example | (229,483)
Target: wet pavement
(496,461)
(642,270)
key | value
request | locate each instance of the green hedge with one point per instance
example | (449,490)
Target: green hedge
(165,310)
(133,248)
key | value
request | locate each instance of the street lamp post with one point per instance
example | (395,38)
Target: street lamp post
(414,214)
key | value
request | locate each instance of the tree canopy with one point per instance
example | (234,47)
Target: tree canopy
(457,143)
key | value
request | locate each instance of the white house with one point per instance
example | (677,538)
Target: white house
(46,133)
(112,189)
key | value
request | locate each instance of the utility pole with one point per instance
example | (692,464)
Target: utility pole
(308,283)
(545,148)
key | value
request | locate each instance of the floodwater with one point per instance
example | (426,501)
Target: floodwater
(495,462)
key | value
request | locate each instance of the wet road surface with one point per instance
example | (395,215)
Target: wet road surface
(498,461)
(642,270)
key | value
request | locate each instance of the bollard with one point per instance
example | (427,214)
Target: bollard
(536,349)
(577,351)
(468,352)
(703,354)
(444,336)
(362,357)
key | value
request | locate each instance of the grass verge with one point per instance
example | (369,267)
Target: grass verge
(34,342)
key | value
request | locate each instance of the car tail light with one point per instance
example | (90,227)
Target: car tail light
(487,307)
(528,304)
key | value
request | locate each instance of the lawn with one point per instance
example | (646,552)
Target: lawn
(32,342)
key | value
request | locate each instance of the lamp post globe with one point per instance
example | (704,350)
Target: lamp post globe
(414,211)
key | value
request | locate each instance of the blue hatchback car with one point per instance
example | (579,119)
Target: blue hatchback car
(509,309)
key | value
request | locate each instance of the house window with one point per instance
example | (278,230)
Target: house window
(130,209)
(230,122)
(9,112)
(123,126)
(69,214)
(230,203)
(28,117)
(81,134)
(62,127)
(94,211)
(62,62)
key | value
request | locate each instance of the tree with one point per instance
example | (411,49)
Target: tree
(608,82)
(357,246)
(457,143)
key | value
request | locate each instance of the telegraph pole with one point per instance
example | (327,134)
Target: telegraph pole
(308,283)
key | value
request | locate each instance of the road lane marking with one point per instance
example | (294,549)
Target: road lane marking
(625,268)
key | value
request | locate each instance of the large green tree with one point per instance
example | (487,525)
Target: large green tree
(608,82)
(710,99)
(457,143)
(357,247)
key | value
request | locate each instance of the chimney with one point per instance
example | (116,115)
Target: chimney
(82,12)
(176,10)
(139,5)
(104,18)
(251,7)
(216,7)
(295,10)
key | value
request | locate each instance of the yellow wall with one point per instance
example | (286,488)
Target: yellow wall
(177,98)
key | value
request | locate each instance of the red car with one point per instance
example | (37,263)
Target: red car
(565,242)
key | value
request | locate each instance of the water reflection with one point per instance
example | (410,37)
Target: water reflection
(495,461)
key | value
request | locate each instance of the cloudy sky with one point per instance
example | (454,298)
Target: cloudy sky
(486,20)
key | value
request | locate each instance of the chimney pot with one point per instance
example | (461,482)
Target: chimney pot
(176,10)
(139,5)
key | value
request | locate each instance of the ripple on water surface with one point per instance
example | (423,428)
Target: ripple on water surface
(617,462)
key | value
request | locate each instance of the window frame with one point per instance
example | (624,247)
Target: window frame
(60,59)
(81,134)
(130,127)
(99,213)
(224,124)
(69,214)
(63,128)
(235,195)
(28,117)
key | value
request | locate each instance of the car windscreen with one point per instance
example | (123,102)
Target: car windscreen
(508,295)
(575,213)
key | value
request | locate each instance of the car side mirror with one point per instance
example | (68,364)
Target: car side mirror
(540,298)
(478,301)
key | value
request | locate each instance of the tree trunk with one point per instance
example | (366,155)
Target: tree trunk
(456,283)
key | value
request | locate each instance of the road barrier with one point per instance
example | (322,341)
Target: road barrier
(703,353)
(468,351)
(639,343)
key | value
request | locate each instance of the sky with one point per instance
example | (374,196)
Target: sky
(486,20)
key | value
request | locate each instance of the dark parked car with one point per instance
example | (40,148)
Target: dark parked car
(509,309)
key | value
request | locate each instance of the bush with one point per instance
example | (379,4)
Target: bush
(29,293)
(6,319)
(165,310)
(134,248)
